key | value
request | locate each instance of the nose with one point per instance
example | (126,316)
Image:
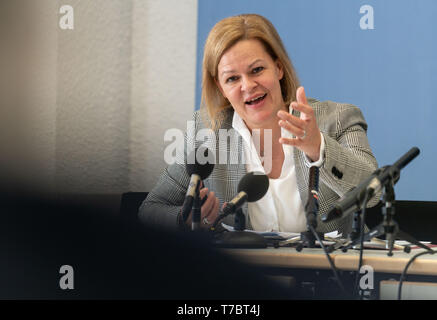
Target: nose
(247,83)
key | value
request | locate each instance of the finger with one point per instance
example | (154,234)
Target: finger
(291,142)
(215,209)
(292,119)
(298,132)
(300,96)
(215,212)
(203,200)
(306,112)
(206,208)
(203,192)
(209,218)
(224,205)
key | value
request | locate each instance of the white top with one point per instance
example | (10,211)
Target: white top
(281,208)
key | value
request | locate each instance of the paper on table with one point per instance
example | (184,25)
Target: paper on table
(281,235)
(376,243)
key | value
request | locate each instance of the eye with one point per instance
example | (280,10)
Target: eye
(257,69)
(231,79)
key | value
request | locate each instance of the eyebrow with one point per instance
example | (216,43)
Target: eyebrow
(250,66)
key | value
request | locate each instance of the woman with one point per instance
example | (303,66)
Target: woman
(249,85)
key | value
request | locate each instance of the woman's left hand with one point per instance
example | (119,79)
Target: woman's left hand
(305,128)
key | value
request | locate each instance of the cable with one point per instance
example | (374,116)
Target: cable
(334,269)
(404,273)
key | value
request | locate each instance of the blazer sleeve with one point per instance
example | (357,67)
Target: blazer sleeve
(165,200)
(348,156)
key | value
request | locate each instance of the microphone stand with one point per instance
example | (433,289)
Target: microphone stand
(308,238)
(356,226)
(240,238)
(389,227)
(354,237)
(239,221)
(197,205)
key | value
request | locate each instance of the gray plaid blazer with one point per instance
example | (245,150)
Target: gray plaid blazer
(348,160)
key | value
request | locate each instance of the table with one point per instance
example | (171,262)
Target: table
(315,258)
(387,267)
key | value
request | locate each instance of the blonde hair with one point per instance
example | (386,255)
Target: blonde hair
(223,36)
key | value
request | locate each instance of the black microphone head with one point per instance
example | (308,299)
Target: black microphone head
(255,185)
(201,162)
(406,158)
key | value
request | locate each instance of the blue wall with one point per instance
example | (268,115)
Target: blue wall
(390,72)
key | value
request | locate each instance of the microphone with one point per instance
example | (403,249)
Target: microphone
(252,187)
(312,206)
(352,200)
(199,170)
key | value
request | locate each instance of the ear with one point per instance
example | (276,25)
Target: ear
(279,69)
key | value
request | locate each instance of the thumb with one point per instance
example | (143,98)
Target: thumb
(300,95)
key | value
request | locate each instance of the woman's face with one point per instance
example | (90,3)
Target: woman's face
(249,78)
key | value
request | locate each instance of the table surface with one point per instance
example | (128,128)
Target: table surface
(287,257)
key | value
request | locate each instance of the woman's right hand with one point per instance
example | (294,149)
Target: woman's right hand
(209,210)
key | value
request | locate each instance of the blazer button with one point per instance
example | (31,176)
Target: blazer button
(337,173)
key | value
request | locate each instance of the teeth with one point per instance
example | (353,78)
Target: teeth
(256,98)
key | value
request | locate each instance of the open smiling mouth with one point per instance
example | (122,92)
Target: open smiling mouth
(256,100)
